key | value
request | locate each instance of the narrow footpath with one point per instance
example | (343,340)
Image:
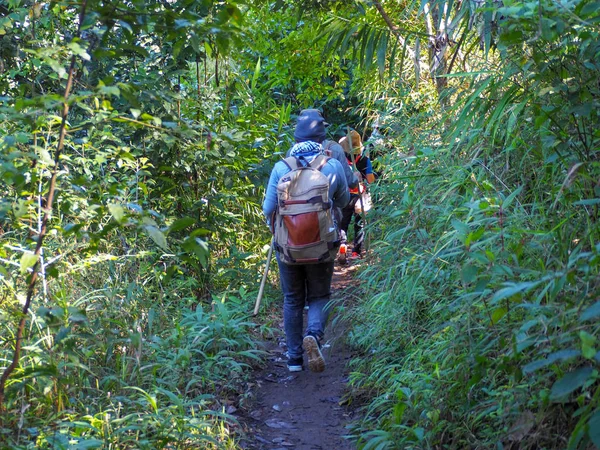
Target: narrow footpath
(303,410)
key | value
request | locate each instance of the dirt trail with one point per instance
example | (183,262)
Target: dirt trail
(303,410)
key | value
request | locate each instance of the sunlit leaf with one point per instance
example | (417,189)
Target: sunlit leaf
(587,344)
(157,236)
(498,314)
(117,211)
(28,260)
(256,74)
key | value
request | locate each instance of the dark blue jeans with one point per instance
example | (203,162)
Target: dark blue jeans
(302,284)
(347,215)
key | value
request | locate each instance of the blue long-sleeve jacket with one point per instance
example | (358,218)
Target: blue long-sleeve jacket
(338,187)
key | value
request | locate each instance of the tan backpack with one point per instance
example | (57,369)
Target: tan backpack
(303,224)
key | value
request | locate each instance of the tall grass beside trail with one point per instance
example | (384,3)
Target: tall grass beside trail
(127,365)
(479,316)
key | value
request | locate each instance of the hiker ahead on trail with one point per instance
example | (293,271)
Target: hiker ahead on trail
(331,148)
(302,192)
(355,158)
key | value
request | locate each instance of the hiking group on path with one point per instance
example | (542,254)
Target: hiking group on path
(311,197)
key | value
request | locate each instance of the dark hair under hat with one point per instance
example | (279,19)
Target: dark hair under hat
(310,127)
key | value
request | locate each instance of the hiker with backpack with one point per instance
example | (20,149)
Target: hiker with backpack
(302,192)
(354,151)
(334,150)
(331,148)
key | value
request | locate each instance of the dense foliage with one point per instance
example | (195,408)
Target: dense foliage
(135,141)
(134,335)
(482,302)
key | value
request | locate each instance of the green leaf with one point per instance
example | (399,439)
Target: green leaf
(180,224)
(208,49)
(19,208)
(370,49)
(256,75)
(487,26)
(594,428)
(590,9)
(561,355)
(79,51)
(110,90)
(381,52)
(77,315)
(498,314)
(28,260)
(590,313)
(22,138)
(57,67)
(62,333)
(419,433)
(587,344)
(588,202)
(514,289)
(570,382)
(117,212)
(89,443)
(197,247)
(474,236)
(461,227)
(508,200)
(468,274)
(157,236)
(151,399)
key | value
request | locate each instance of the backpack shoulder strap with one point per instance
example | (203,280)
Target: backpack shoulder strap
(319,162)
(292,162)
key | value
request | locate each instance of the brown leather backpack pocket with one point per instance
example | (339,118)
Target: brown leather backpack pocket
(303,229)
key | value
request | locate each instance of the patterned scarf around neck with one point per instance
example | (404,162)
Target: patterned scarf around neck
(307,150)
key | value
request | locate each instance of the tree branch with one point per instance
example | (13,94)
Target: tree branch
(396,32)
(44,225)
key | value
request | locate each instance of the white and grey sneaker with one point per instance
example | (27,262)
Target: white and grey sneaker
(316,362)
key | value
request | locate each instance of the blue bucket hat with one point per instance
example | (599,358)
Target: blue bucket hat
(311,126)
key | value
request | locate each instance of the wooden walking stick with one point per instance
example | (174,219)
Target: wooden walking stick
(264,278)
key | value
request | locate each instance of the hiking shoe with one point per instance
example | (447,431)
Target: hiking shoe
(355,255)
(294,364)
(316,362)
